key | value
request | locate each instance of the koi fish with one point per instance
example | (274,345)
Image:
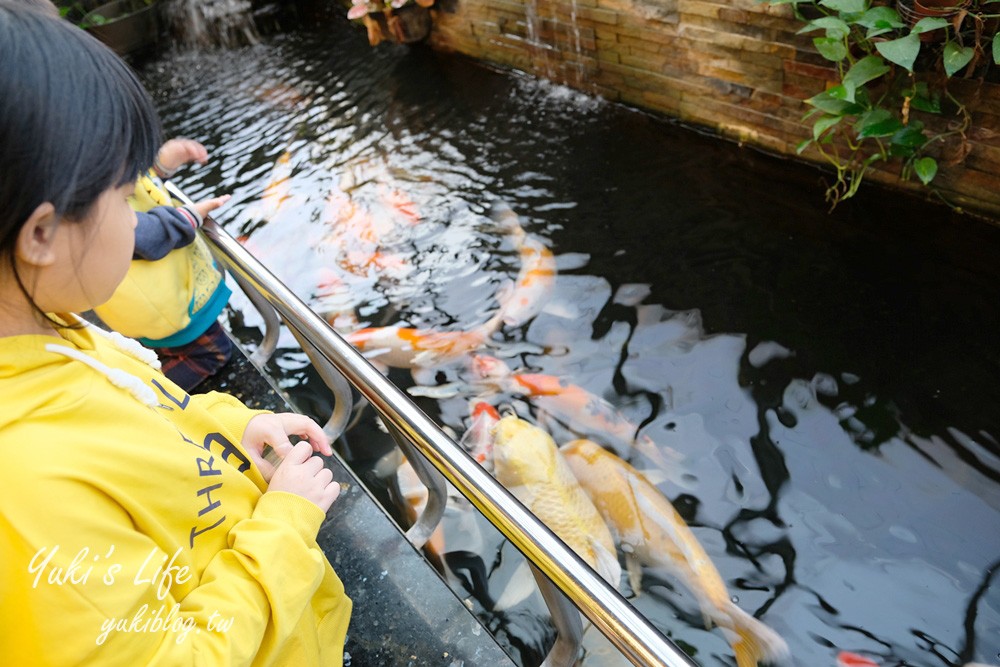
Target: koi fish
(278,189)
(358,236)
(849,659)
(528,464)
(534,283)
(575,407)
(652,533)
(478,440)
(405,347)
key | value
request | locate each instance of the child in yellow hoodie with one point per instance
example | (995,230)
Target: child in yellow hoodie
(173,293)
(139,525)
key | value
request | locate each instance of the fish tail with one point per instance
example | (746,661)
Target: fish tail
(754,642)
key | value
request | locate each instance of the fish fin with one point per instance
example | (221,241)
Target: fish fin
(634,569)
(426,358)
(424,376)
(519,588)
(754,642)
(441,391)
(388,464)
(655,476)
(607,564)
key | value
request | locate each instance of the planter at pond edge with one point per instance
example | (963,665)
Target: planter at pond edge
(912,11)
(127,26)
(405,25)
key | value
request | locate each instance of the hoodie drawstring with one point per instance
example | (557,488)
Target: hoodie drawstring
(126,346)
(116,376)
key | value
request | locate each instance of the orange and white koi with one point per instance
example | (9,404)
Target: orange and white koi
(536,278)
(478,440)
(651,531)
(332,299)
(576,408)
(406,347)
(358,237)
(528,464)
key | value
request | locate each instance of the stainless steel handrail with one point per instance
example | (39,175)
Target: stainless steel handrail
(269,343)
(437,493)
(638,640)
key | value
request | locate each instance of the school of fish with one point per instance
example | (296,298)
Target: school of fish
(591,498)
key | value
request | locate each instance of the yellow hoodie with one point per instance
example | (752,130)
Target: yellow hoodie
(134,530)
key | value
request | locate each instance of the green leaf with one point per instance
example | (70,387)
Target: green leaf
(996,49)
(908,140)
(880,17)
(924,100)
(928,24)
(833,106)
(863,71)
(824,124)
(845,6)
(956,57)
(831,48)
(878,123)
(802,145)
(902,51)
(926,169)
(833,26)
(840,92)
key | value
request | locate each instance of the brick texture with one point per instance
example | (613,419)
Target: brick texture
(734,66)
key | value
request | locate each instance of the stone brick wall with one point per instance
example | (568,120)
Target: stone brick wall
(735,66)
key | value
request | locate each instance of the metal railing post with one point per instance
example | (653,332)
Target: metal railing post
(628,630)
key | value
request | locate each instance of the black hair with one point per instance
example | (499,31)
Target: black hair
(74,120)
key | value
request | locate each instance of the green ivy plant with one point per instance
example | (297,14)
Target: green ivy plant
(866,118)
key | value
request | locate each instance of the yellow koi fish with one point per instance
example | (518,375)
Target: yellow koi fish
(573,406)
(405,347)
(527,463)
(651,531)
(533,285)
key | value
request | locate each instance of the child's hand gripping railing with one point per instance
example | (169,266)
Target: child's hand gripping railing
(628,630)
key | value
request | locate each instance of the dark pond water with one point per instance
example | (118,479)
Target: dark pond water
(830,382)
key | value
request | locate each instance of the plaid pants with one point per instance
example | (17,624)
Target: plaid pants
(187,365)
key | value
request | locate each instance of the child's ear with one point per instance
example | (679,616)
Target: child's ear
(35,241)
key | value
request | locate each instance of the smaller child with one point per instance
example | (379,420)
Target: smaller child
(174,292)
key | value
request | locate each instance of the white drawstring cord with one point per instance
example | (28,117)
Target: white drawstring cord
(116,376)
(126,345)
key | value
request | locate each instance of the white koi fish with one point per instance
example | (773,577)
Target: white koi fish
(650,531)
(406,347)
(528,464)
(534,283)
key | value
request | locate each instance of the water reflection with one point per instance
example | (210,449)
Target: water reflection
(822,389)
